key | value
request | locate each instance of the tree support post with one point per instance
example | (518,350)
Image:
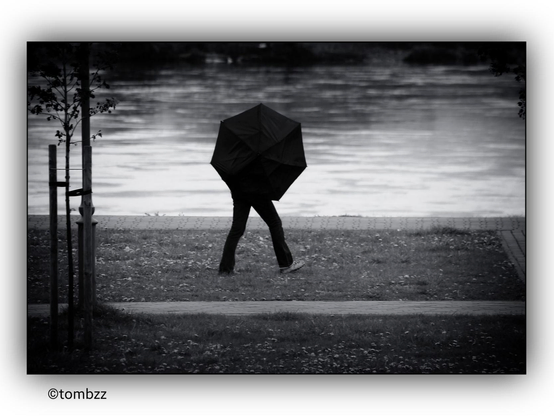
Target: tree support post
(53,185)
(87,245)
(81,253)
(85,140)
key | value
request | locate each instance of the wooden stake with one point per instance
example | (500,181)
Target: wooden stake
(87,245)
(52,180)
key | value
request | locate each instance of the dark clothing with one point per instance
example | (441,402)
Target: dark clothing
(265,208)
(251,182)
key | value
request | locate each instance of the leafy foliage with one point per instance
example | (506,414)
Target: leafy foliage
(508,58)
(61,94)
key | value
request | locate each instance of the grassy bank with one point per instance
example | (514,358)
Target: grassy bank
(286,343)
(441,264)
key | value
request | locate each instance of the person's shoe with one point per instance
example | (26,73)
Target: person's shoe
(296,265)
(230,273)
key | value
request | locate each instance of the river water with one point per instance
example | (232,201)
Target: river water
(380,140)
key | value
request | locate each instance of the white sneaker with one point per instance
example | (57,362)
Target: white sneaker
(296,265)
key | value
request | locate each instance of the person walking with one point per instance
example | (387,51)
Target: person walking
(258,154)
(249,189)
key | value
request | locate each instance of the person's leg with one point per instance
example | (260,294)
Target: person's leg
(269,214)
(241,209)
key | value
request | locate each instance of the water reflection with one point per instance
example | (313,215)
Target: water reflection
(379,141)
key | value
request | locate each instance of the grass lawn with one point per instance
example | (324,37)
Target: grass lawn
(143,266)
(286,343)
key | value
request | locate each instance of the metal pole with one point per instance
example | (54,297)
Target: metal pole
(52,180)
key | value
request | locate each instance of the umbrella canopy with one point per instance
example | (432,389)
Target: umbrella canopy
(259,151)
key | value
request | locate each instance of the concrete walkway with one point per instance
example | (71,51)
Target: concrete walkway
(514,243)
(314,307)
(511,230)
(144,222)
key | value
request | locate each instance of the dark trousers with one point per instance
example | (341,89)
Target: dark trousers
(265,208)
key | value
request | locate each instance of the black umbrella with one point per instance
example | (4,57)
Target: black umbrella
(259,151)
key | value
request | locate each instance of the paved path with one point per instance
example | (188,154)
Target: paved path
(511,230)
(144,222)
(514,243)
(315,307)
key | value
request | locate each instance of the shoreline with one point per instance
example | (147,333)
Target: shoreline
(340,222)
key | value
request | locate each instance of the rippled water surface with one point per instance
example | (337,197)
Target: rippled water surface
(379,141)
